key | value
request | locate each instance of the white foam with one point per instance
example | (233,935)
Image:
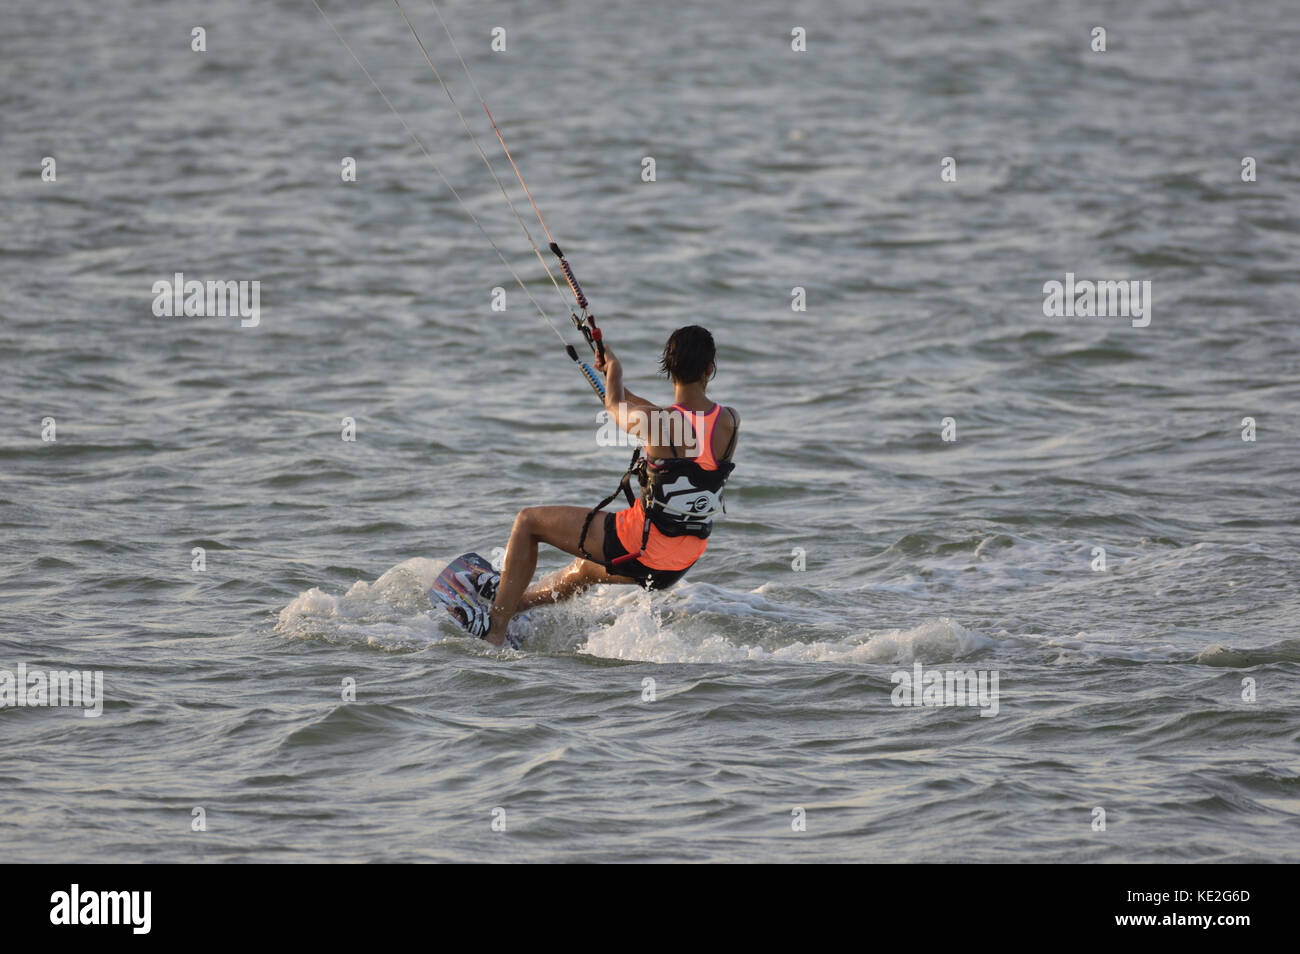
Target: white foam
(692,623)
(669,632)
(390,613)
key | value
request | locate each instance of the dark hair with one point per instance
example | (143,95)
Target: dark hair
(688,354)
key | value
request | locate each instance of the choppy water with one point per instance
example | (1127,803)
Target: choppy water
(1120,690)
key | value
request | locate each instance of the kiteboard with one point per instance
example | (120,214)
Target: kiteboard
(465,589)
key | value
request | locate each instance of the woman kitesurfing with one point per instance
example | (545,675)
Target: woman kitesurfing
(662,533)
(687,446)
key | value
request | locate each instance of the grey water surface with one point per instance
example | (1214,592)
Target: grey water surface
(713,721)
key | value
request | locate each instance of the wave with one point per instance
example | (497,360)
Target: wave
(693,623)
(702,623)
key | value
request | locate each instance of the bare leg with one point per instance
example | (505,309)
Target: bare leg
(558,526)
(566,583)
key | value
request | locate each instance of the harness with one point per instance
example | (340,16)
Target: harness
(679,497)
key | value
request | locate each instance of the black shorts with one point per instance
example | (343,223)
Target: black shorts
(650,579)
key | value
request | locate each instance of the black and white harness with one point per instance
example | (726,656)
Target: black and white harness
(680,498)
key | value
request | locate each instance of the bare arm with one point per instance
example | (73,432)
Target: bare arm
(630,412)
